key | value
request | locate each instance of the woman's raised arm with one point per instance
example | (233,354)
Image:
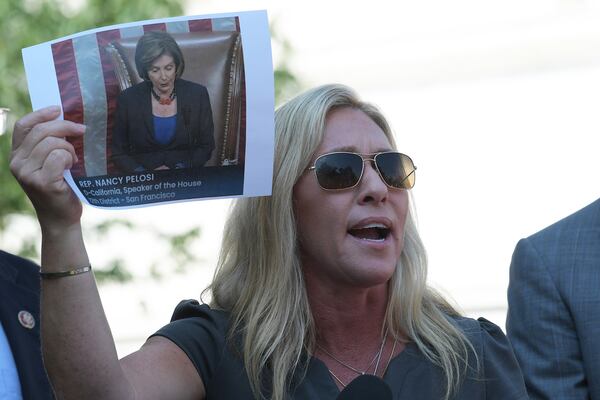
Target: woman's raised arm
(78,348)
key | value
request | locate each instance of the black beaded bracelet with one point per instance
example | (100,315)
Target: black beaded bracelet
(62,274)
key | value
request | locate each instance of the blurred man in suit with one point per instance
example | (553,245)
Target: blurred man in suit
(22,374)
(554,308)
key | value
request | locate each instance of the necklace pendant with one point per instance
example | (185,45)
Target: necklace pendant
(161,101)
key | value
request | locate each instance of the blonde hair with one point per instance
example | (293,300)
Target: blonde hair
(259,277)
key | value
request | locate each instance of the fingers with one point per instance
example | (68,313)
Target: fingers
(36,135)
(52,171)
(49,177)
(42,151)
(57,207)
(25,124)
(56,128)
(39,158)
(34,127)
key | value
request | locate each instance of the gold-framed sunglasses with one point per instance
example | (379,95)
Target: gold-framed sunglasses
(344,170)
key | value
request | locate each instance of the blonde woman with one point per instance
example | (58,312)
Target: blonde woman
(319,283)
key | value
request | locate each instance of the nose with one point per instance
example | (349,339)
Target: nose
(372,188)
(163,74)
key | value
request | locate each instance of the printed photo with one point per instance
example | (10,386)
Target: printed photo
(165,106)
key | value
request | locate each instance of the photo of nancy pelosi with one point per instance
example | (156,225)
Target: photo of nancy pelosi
(164,122)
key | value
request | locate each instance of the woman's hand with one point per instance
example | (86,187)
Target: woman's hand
(40,154)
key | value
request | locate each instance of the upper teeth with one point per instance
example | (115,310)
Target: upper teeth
(381,226)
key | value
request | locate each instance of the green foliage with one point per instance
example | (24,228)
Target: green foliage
(115,272)
(180,247)
(286,83)
(12,198)
(103,228)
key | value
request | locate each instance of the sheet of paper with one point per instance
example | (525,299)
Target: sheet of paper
(127,157)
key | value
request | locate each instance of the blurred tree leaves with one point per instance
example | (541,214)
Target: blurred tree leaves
(25,23)
(115,272)
(180,245)
(286,83)
(12,198)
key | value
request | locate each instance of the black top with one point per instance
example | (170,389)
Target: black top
(201,333)
(134,144)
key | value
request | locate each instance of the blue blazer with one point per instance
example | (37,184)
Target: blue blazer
(20,291)
(554,308)
(133,142)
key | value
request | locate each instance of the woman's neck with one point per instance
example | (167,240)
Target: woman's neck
(351,336)
(347,317)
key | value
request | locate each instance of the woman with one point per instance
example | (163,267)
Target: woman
(317,284)
(164,122)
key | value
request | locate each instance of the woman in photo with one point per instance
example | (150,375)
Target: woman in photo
(316,285)
(164,122)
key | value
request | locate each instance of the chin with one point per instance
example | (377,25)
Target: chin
(375,275)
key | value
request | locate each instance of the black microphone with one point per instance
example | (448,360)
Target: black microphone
(366,387)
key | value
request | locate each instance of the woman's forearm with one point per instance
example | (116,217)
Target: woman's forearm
(77,344)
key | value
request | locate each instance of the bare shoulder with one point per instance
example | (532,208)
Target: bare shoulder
(161,370)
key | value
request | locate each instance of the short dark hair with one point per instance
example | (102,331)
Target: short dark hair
(152,45)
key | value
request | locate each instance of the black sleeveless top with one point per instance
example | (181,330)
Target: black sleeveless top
(201,333)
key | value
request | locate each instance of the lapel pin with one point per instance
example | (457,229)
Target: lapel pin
(26,319)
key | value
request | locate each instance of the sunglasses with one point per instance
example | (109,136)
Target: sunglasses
(343,170)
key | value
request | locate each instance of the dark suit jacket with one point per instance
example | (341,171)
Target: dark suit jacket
(20,291)
(554,308)
(133,143)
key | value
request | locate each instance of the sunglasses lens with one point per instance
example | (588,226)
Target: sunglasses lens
(397,169)
(338,170)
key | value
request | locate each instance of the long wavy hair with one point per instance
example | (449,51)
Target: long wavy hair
(259,277)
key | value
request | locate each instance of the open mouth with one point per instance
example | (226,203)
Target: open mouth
(371,232)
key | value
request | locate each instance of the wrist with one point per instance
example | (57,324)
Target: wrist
(63,248)
(60,231)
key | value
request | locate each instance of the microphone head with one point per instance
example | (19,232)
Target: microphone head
(366,387)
